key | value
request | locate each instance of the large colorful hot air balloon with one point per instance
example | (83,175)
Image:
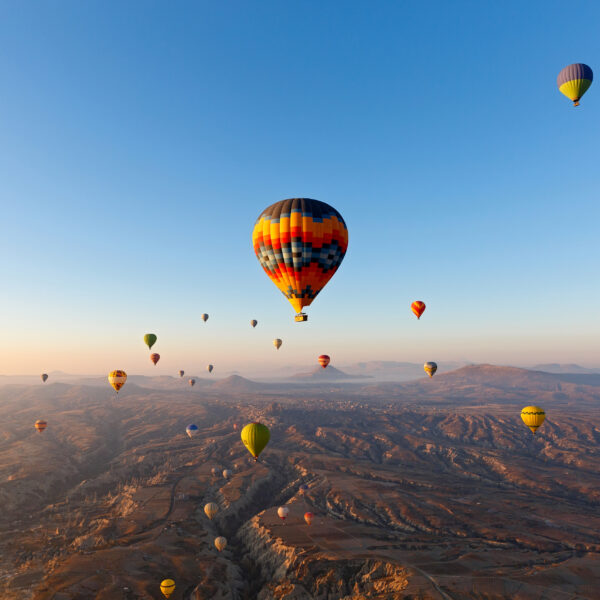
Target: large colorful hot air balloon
(300,243)
(220,543)
(430,368)
(40,425)
(167,587)
(211,509)
(154,358)
(254,322)
(255,437)
(277,343)
(324,360)
(204,317)
(283,512)
(192,430)
(150,340)
(308,517)
(418,308)
(191,382)
(209,368)
(533,417)
(44,377)
(574,80)
(181,373)
(117,379)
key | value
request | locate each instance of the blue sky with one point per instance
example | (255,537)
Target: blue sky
(139,141)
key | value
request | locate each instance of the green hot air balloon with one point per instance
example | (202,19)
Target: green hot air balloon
(150,339)
(255,437)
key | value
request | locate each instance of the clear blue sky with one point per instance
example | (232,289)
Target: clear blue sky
(139,141)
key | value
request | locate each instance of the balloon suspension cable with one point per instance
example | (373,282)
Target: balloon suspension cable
(576,102)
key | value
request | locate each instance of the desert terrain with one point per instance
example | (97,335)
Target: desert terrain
(430,489)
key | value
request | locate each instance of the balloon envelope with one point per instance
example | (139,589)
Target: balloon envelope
(191,382)
(430,368)
(308,517)
(254,322)
(40,425)
(181,373)
(44,377)
(204,317)
(283,512)
(220,543)
(117,379)
(154,357)
(167,587)
(324,360)
(533,417)
(191,430)
(255,437)
(211,509)
(150,339)
(227,473)
(300,243)
(209,368)
(418,308)
(574,81)
(277,343)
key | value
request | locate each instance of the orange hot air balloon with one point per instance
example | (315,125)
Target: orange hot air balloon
(155,357)
(308,517)
(418,308)
(235,426)
(40,425)
(324,360)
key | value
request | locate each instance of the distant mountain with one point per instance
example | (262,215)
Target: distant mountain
(565,368)
(387,370)
(237,384)
(328,374)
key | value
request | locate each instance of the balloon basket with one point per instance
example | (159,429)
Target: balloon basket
(301,317)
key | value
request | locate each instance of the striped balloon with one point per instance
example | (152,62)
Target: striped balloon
(324,360)
(154,357)
(40,425)
(574,81)
(418,308)
(300,243)
(430,368)
(117,379)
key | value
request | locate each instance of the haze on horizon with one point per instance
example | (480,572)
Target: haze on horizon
(139,144)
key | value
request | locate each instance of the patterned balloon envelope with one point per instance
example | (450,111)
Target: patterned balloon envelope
(574,80)
(300,243)
(117,379)
(324,360)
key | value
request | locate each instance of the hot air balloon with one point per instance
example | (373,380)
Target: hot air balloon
(430,368)
(235,426)
(150,340)
(44,377)
(418,308)
(227,473)
(308,517)
(40,425)
(204,317)
(254,322)
(574,80)
(303,489)
(117,379)
(191,382)
(211,509)
(214,471)
(154,358)
(191,430)
(277,343)
(300,243)
(533,417)
(181,373)
(324,360)
(220,543)
(255,437)
(167,587)
(209,368)
(283,512)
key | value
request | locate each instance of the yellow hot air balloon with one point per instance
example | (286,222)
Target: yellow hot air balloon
(255,437)
(430,368)
(167,587)
(300,243)
(117,379)
(211,509)
(533,417)
(277,343)
(220,543)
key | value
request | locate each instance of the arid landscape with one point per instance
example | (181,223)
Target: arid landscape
(430,489)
